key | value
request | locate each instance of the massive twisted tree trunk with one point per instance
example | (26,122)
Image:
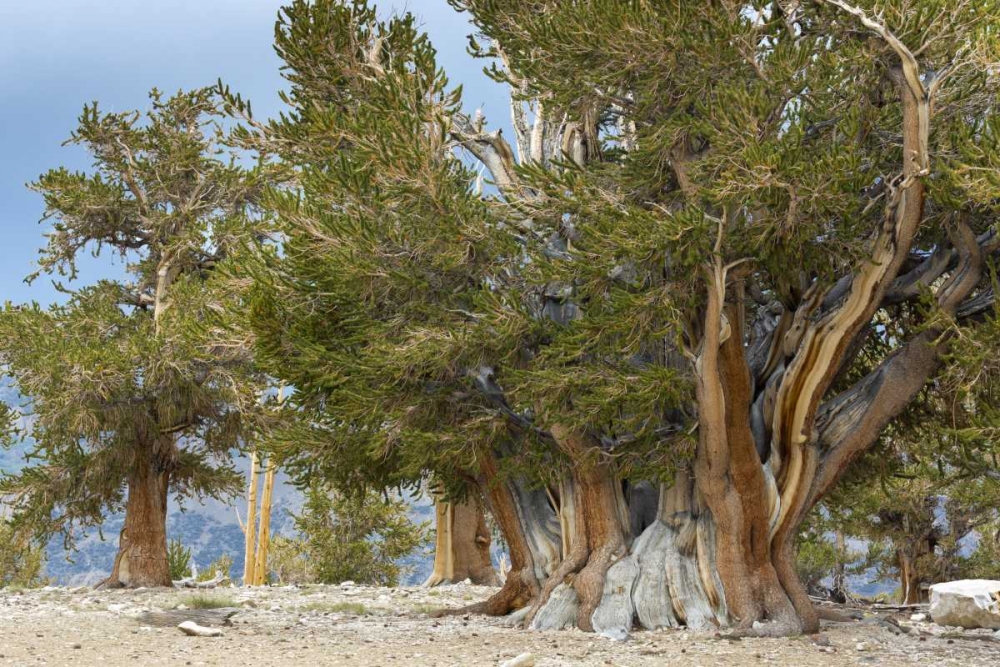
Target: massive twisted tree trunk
(462,544)
(773,439)
(142,549)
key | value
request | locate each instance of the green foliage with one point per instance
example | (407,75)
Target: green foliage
(179,559)
(928,495)
(424,320)
(21,564)
(984,561)
(817,559)
(222,565)
(288,561)
(357,538)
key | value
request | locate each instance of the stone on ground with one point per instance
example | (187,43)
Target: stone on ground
(195,630)
(968,603)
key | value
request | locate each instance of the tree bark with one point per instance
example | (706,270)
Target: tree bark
(909,579)
(530,529)
(250,530)
(264,537)
(142,548)
(595,526)
(462,545)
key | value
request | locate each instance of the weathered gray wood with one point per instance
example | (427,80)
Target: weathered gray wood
(653,605)
(191,582)
(617,609)
(560,611)
(174,617)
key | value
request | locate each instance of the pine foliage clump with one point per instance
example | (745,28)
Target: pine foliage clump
(357,538)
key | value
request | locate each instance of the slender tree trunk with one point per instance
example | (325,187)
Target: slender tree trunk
(264,540)
(909,579)
(142,548)
(250,530)
(593,508)
(462,545)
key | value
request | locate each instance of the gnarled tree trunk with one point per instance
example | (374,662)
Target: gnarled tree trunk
(142,549)
(462,544)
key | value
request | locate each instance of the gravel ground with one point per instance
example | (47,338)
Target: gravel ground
(357,625)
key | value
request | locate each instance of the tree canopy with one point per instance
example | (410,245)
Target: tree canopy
(123,378)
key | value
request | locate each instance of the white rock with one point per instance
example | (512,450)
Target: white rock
(918,617)
(347,584)
(861,646)
(523,660)
(195,630)
(969,603)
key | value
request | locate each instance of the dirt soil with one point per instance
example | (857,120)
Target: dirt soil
(357,625)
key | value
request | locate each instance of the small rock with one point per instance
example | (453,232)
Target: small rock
(193,629)
(820,640)
(861,646)
(77,646)
(919,618)
(347,584)
(523,660)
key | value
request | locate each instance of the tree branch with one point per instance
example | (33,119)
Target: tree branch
(489,148)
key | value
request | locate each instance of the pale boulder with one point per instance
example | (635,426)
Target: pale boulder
(969,603)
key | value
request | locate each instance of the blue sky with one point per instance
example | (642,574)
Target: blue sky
(56,55)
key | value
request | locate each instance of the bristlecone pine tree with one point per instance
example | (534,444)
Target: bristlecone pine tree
(654,339)
(130,401)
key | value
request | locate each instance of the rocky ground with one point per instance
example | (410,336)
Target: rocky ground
(356,625)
